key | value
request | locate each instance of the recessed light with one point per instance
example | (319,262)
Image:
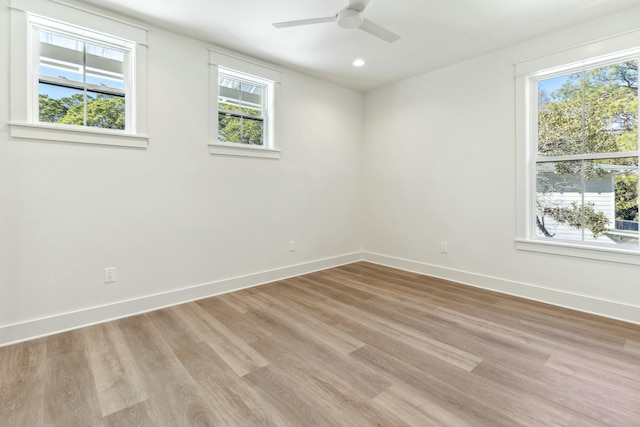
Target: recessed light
(358,62)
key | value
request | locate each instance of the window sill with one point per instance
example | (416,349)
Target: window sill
(619,255)
(243,151)
(77,136)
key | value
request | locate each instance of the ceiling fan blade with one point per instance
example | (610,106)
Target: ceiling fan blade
(358,5)
(378,31)
(305,22)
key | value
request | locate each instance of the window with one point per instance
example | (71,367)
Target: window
(82,81)
(586,153)
(75,76)
(581,150)
(243,107)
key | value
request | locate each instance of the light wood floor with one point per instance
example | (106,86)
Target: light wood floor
(350,346)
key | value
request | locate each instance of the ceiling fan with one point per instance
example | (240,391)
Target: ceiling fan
(350,17)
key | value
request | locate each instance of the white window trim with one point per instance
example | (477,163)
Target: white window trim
(263,73)
(23,121)
(580,56)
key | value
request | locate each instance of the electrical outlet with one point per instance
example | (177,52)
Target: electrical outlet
(292,245)
(444,247)
(109,275)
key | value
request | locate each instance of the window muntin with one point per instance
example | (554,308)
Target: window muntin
(241,109)
(80,81)
(585,154)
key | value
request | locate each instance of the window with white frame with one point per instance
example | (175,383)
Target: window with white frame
(242,111)
(81,79)
(581,137)
(243,107)
(75,76)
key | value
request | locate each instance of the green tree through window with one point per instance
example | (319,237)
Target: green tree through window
(239,128)
(102,110)
(587,130)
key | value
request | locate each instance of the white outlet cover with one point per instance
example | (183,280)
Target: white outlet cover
(109,275)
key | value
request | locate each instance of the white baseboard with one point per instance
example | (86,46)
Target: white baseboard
(610,309)
(18,332)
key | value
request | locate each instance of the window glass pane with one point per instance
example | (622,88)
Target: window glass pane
(240,119)
(228,92)
(251,98)
(105,66)
(229,128)
(237,95)
(560,130)
(622,175)
(252,131)
(61,56)
(105,111)
(611,108)
(559,200)
(588,201)
(595,111)
(238,129)
(59,104)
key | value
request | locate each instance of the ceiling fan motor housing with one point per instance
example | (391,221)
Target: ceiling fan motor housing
(349,18)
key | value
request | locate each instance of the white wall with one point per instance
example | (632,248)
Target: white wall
(439,163)
(172,217)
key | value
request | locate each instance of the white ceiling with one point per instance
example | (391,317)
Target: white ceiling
(434,33)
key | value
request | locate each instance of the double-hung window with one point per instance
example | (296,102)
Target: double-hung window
(242,108)
(581,153)
(81,79)
(76,76)
(243,99)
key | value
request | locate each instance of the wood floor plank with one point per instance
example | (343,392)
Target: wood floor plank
(456,402)
(174,397)
(427,296)
(116,374)
(407,336)
(566,319)
(137,415)
(597,373)
(336,397)
(324,334)
(22,369)
(232,349)
(65,343)
(338,288)
(244,325)
(573,392)
(300,289)
(367,381)
(408,404)
(420,286)
(431,322)
(483,401)
(234,301)
(177,331)
(71,397)
(361,344)
(582,421)
(234,402)
(290,399)
(570,341)
(633,347)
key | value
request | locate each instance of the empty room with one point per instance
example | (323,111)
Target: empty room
(332,213)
